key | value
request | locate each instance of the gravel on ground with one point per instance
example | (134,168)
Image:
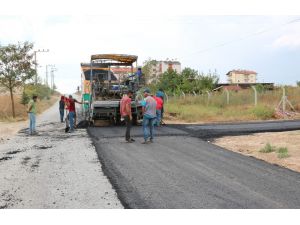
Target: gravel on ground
(53,169)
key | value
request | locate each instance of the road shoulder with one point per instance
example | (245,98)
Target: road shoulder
(250,145)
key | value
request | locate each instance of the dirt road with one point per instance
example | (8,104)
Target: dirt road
(53,169)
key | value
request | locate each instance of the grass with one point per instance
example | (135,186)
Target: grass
(268,148)
(241,107)
(282,153)
(263,112)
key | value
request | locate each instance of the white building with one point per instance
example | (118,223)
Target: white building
(242,76)
(162,66)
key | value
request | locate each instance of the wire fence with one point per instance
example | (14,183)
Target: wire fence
(290,97)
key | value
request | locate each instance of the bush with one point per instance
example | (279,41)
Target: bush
(268,148)
(263,112)
(42,91)
(24,98)
(282,153)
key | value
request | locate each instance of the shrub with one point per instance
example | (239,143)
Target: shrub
(24,98)
(282,153)
(263,112)
(267,149)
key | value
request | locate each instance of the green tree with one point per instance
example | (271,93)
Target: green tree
(147,69)
(189,73)
(298,83)
(260,88)
(170,81)
(189,78)
(207,82)
(25,98)
(16,67)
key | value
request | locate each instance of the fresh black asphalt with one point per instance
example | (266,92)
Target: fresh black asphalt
(182,170)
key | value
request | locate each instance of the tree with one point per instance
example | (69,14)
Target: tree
(207,82)
(16,67)
(170,81)
(147,69)
(260,88)
(189,78)
(25,98)
(298,83)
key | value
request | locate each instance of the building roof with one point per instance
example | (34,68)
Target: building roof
(170,62)
(241,72)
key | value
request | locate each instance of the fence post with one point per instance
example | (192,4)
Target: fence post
(227,96)
(183,94)
(167,97)
(283,99)
(194,93)
(208,96)
(255,95)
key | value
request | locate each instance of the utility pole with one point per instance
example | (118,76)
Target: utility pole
(49,65)
(35,62)
(52,77)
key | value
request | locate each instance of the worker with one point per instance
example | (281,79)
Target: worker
(160,93)
(149,116)
(71,107)
(126,114)
(62,108)
(139,74)
(32,115)
(159,106)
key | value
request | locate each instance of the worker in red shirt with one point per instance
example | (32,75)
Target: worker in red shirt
(159,106)
(71,107)
(126,114)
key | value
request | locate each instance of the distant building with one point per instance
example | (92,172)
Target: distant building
(242,76)
(162,66)
(122,72)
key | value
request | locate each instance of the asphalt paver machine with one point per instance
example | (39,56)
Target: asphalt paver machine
(102,89)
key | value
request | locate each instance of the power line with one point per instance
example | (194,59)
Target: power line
(245,37)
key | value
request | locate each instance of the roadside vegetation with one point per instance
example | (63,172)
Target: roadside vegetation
(18,84)
(282,152)
(280,148)
(192,97)
(46,98)
(241,107)
(268,148)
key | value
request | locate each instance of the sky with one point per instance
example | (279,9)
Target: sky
(267,44)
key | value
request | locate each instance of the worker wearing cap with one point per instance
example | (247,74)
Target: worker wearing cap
(71,107)
(149,116)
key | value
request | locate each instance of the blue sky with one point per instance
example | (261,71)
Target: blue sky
(193,40)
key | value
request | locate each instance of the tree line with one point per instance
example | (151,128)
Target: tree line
(187,81)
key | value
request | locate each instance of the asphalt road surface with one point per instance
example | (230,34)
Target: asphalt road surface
(208,131)
(181,170)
